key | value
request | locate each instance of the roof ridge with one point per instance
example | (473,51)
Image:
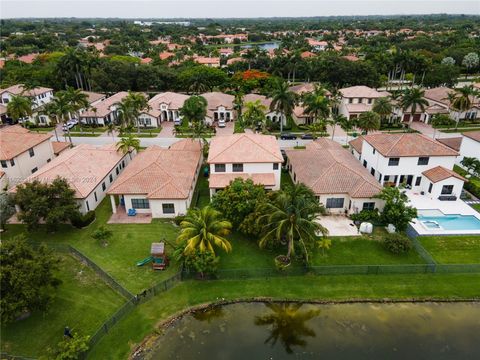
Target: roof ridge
(395,144)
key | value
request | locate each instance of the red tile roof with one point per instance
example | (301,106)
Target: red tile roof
(357,144)
(474,135)
(440,173)
(15,140)
(60,146)
(453,143)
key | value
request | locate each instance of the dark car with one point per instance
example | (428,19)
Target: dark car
(308,137)
(287,136)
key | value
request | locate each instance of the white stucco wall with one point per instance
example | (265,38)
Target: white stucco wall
(469,148)
(437,187)
(254,168)
(350,205)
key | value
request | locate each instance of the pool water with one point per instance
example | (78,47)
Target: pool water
(450,222)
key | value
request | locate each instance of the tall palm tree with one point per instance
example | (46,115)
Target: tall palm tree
(283,100)
(62,107)
(111,130)
(317,104)
(291,218)
(413,98)
(19,107)
(127,144)
(345,124)
(368,121)
(138,103)
(49,110)
(238,104)
(126,114)
(383,107)
(202,230)
(462,100)
(255,114)
(78,101)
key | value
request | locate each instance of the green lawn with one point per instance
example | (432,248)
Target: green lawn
(203,190)
(473,179)
(88,129)
(286,179)
(143,320)
(476,207)
(453,249)
(83,301)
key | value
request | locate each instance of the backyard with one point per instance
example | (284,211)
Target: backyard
(453,249)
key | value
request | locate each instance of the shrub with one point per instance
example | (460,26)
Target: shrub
(80,221)
(178,219)
(397,243)
(371,216)
(472,188)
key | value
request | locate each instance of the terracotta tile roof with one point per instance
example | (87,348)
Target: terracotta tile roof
(358,108)
(438,94)
(28,59)
(305,88)
(235,60)
(474,135)
(244,148)
(146,60)
(60,146)
(93,96)
(357,144)
(15,140)
(221,180)
(160,173)
(165,55)
(254,97)
(307,54)
(299,111)
(453,143)
(18,89)
(408,144)
(103,107)
(84,166)
(360,92)
(327,168)
(440,173)
(207,60)
(216,99)
(351,58)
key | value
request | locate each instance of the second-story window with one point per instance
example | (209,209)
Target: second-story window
(237,167)
(12,162)
(423,160)
(31,152)
(275,166)
(219,167)
(393,161)
(4,163)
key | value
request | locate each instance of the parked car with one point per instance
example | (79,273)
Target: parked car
(177,122)
(288,136)
(308,136)
(221,123)
(68,125)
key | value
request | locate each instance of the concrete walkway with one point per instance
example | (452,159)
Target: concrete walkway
(338,225)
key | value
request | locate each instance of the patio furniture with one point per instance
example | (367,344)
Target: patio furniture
(132,212)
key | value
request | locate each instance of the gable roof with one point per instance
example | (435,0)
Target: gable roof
(254,97)
(360,92)
(173,100)
(453,143)
(160,173)
(216,99)
(84,167)
(356,144)
(438,94)
(244,148)
(440,173)
(103,107)
(407,144)
(19,89)
(474,135)
(327,168)
(94,96)
(15,140)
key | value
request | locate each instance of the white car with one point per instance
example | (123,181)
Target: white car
(221,123)
(177,122)
(68,126)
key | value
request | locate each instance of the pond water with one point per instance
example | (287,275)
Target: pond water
(338,331)
(264,46)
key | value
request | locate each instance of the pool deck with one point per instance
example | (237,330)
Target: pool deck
(459,207)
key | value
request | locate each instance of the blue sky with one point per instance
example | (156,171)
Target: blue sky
(228,8)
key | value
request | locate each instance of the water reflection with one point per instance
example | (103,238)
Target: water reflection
(287,324)
(209,314)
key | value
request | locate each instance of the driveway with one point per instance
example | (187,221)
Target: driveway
(425,129)
(167,130)
(227,130)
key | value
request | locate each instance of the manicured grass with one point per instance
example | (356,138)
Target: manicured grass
(476,207)
(143,320)
(285,179)
(42,129)
(85,134)
(203,190)
(460,129)
(82,302)
(473,179)
(453,249)
(88,129)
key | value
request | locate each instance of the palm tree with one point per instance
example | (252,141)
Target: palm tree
(138,103)
(202,229)
(336,120)
(462,100)
(49,110)
(345,124)
(413,98)
(382,107)
(61,106)
(126,114)
(78,101)
(287,324)
(255,114)
(368,121)
(317,103)
(19,107)
(291,218)
(127,144)
(283,100)
(238,104)
(111,130)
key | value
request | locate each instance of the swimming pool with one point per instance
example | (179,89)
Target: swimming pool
(436,220)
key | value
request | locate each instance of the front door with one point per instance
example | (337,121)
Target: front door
(410,180)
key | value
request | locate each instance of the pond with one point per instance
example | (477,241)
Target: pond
(264,46)
(334,331)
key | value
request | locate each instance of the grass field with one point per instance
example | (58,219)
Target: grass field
(203,190)
(82,302)
(143,320)
(476,207)
(453,249)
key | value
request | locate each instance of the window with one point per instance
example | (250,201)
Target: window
(31,152)
(140,204)
(95,194)
(374,151)
(116,170)
(4,164)
(350,101)
(380,177)
(104,186)
(418,181)
(393,161)
(335,203)
(110,178)
(123,164)
(237,167)
(34,170)
(275,166)
(48,160)
(219,167)
(369,101)
(88,206)
(372,171)
(168,208)
(12,162)
(364,163)
(368,206)
(447,189)
(430,188)
(423,160)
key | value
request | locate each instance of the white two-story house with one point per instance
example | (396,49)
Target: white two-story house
(219,107)
(470,146)
(411,160)
(246,156)
(357,100)
(103,112)
(163,107)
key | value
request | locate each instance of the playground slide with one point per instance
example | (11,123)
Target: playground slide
(144,261)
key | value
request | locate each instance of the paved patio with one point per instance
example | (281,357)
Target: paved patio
(167,130)
(339,225)
(121,217)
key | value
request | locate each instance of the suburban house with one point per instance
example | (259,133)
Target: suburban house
(207,61)
(357,100)
(317,45)
(39,95)
(470,146)
(219,107)
(163,107)
(23,152)
(103,112)
(273,116)
(89,170)
(408,159)
(439,96)
(338,180)
(159,181)
(247,156)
